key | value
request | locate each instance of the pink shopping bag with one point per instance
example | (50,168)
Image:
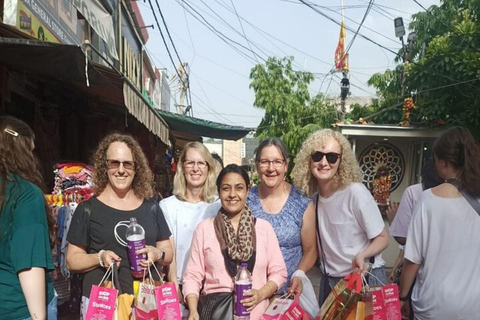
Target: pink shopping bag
(168,305)
(284,308)
(392,302)
(101,305)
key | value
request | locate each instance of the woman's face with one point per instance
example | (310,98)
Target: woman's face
(322,165)
(233,193)
(271,166)
(120,166)
(195,169)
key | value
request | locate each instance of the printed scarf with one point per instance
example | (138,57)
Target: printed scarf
(240,246)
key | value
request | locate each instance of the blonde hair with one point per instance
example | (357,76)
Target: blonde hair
(348,170)
(180,183)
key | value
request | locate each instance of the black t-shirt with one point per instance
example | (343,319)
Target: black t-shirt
(96,232)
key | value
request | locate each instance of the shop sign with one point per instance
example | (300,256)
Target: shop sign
(131,64)
(48,20)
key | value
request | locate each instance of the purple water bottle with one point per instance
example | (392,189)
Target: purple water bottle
(243,283)
(135,240)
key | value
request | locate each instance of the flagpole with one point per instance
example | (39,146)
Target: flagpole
(345,83)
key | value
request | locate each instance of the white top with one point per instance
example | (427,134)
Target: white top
(183,218)
(399,227)
(444,238)
(348,221)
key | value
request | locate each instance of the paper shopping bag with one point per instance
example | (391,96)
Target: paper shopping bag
(145,301)
(284,308)
(342,299)
(101,305)
(168,305)
(391,300)
(358,312)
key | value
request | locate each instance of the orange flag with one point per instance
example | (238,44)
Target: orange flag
(341,58)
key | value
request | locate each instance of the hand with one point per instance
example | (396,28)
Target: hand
(180,294)
(391,211)
(405,307)
(153,255)
(391,277)
(296,285)
(108,257)
(253,298)
(194,316)
(358,263)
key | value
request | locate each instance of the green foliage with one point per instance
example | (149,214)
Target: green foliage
(446,54)
(291,114)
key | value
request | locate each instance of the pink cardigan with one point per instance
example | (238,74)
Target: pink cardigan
(206,262)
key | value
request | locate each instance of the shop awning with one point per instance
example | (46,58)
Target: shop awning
(202,127)
(68,64)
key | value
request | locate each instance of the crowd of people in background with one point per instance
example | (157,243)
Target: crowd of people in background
(215,220)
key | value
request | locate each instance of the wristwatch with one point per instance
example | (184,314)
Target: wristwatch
(162,257)
(404,298)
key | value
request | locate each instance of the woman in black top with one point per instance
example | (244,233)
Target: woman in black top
(123,190)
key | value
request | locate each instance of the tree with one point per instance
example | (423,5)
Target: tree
(291,114)
(444,72)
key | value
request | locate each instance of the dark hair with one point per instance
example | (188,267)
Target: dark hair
(272,142)
(215,156)
(143,179)
(458,147)
(232,168)
(17,157)
(430,178)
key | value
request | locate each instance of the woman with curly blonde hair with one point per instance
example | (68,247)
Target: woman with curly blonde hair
(123,190)
(349,224)
(193,200)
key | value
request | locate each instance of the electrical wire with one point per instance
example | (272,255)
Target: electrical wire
(241,26)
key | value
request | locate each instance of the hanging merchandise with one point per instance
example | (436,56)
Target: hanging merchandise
(73,184)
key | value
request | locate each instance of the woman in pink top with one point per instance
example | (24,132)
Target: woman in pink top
(221,243)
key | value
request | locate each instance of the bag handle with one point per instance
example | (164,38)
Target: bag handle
(106,275)
(159,275)
(115,278)
(319,238)
(471,199)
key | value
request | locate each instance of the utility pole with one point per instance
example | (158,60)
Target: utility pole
(406,50)
(182,107)
(341,65)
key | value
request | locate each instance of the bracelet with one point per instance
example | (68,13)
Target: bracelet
(404,298)
(99,256)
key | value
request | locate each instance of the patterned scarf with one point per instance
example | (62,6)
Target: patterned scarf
(240,246)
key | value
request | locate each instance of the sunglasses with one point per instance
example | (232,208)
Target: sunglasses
(114,164)
(332,157)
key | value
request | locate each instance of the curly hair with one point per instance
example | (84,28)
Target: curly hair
(179,181)
(348,170)
(142,184)
(16,156)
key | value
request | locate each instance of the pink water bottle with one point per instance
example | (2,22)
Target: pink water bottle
(135,241)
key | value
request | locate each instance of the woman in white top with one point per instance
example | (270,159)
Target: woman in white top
(350,225)
(443,241)
(193,200)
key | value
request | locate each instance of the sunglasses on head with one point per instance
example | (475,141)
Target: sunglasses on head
(332,157)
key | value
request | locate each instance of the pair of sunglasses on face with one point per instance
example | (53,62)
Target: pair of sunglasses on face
(332,157)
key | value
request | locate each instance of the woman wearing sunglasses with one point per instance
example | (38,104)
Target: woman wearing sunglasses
(123,190)
(289,212)
(350,227)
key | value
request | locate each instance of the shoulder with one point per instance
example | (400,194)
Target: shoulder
(253,193)
(205,225)
(262,224)
(170,201)
(29,190)
(358,190)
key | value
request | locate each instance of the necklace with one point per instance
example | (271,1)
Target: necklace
(264,202)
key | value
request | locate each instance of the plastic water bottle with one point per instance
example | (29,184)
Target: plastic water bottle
(135,241)
(243,283)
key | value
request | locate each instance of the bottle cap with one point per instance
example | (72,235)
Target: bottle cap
(133,220)
(244,264)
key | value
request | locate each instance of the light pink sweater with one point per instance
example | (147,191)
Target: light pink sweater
(206,262)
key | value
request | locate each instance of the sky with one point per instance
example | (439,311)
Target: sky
(219,74)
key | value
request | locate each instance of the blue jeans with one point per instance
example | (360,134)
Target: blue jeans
(51,309)
(379,278)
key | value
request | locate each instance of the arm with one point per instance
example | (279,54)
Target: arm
(400,240)
(309,246)
(409,273)
(79,261)
(192,303)
(33,285)
(377,245)
(397,263)
(172,270)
